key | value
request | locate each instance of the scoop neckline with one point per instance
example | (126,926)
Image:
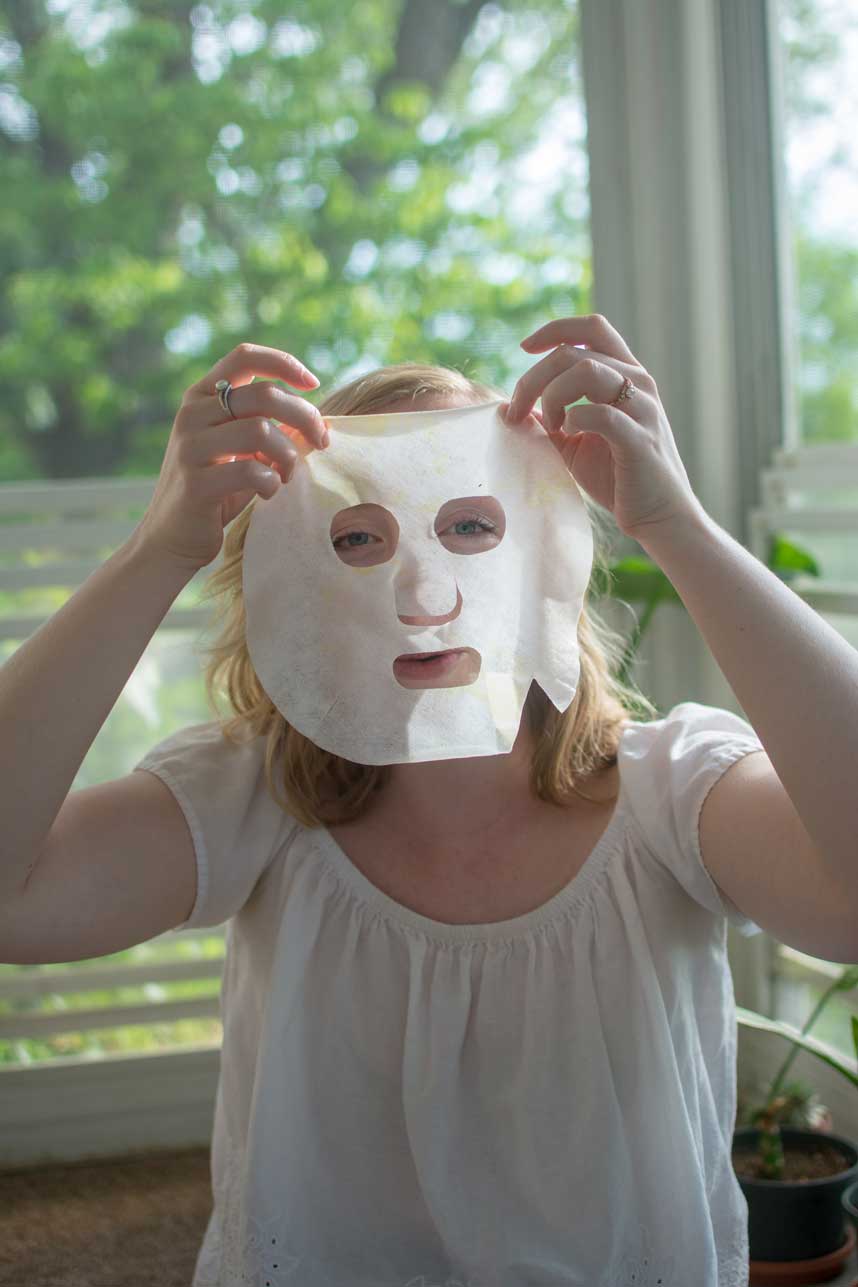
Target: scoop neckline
(513,927)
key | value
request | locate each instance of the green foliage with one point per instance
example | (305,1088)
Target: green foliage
(637,579)
(795,1104)
(344,191)
(788,560)
(94,1043)
(828,313)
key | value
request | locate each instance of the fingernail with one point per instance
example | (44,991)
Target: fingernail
(326,439)
(308,375)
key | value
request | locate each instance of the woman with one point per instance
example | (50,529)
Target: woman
(478,1017)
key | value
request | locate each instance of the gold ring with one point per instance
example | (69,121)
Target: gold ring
(627,391)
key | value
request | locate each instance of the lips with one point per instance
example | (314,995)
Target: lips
(425,656)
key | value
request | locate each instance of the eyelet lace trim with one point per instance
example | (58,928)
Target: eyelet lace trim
(258,1258)
(645,1269)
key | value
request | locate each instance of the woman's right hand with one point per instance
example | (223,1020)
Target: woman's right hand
(214,466)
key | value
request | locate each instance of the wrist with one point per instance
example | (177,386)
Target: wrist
(138,553)
(658,538)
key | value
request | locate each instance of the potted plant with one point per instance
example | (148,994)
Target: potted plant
(793,1170)
(797,1185)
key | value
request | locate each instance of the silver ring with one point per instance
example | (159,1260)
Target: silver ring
(223,388)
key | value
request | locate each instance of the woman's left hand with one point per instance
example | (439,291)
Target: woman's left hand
(624,457)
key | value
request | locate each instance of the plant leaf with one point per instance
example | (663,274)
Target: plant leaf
(788,560)
(635,578)
(848,980)
(750,1019)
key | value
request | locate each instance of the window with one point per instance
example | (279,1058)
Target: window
(816,477)
(362,194)
(356,193)
(819,43)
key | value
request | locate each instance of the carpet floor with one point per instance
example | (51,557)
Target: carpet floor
(132,1222)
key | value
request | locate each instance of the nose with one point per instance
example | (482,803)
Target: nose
(425,590)
(435,621)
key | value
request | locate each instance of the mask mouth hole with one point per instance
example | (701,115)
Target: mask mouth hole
(451,668)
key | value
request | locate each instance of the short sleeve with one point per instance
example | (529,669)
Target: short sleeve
(236,825)
(667,768)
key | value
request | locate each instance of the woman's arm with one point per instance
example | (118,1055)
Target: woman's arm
(795,677)
(58,688)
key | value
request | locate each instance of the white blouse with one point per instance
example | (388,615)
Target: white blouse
(545,1101)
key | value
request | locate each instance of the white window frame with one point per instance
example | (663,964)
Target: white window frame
(691,264)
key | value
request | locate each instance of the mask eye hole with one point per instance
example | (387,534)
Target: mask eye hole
(364,535)
(470,524)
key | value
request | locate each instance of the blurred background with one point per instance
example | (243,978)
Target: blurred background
(383,181)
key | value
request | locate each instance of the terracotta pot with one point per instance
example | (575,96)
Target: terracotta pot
(797,1219)
(800,1273)
(849,1202)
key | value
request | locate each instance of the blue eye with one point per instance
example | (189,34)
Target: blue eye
(363,540)
(360,540)
(472,522)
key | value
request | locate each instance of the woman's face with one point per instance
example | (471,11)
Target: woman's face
(432,548)
(365,535)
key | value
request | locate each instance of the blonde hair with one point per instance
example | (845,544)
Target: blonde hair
(320,787)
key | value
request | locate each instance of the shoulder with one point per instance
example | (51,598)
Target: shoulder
(687,729)
(209,741)
(668,765)
(219,776)
(237,826)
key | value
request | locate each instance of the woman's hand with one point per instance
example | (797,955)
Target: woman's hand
(624,457)
(214,466)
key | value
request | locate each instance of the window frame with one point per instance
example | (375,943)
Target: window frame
(692,263)
(705,247)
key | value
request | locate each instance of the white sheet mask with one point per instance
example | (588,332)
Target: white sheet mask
(325,624)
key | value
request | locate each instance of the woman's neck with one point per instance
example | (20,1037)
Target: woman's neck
(447,800)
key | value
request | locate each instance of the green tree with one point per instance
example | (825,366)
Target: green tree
(358,185)
(351,185)
(812,36)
